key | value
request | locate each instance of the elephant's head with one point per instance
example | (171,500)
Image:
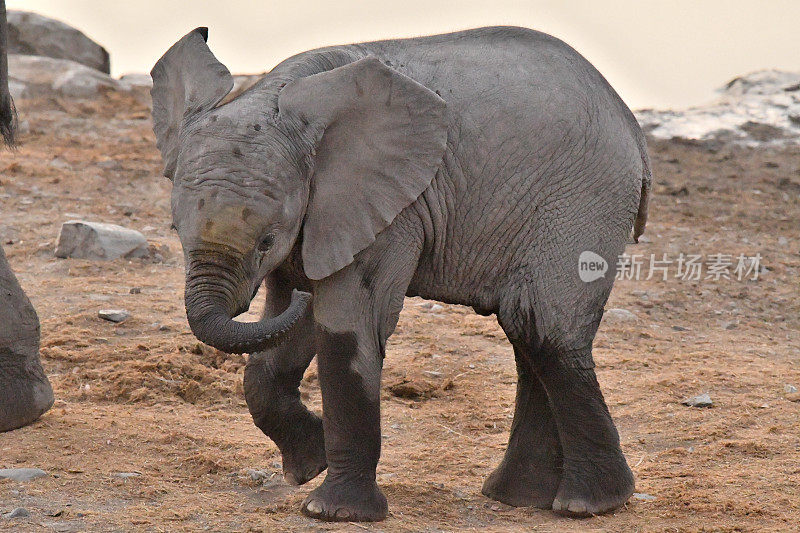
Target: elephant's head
(328,159)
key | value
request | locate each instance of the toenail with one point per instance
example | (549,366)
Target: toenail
(557,506)
(344,514)
(314,507)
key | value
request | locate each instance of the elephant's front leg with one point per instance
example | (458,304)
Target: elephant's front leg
(271,386)
(349,370)
(355,311)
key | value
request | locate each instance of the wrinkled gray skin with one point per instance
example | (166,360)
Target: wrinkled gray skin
(25,392)
(469,168)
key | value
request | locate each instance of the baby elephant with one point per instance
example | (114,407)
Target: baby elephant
(470,168)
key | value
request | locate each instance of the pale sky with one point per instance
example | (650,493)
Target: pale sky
(656,53)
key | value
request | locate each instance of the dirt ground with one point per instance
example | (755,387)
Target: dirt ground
(144,398)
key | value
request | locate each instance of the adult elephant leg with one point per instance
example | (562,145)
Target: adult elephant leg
(271,386)
(25,392)
(356,310)
(530,472)
(596,478)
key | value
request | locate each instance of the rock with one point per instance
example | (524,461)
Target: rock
(98,241)
(114,315)
(258,475)
(431,307)
(643,496)
(136,81)
(789,388)
(127,475)
(33,76)
(704,400)
(138,86)
(19,512)
(679,328)
(22,474)
(619,315)
(751,110)
(35,35)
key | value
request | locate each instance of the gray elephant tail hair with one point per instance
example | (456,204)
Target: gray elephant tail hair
(644,198)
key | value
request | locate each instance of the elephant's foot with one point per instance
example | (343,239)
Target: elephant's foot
(340,500)
(25,395)
(592,488)
(522,486)
(304,452)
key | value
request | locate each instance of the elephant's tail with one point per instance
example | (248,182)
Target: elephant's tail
(644,198)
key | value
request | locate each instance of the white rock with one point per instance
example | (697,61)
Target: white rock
(760,108)
(789,389)
(19,512)
(34,34)
(21,474)
(127,475)
(704,400)
(136,80)
(113,315)
(98,241)
(619,315)
(32,76)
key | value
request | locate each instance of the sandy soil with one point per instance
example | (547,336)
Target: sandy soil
(143,397)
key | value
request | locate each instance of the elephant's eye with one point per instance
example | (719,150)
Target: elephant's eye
(266,243)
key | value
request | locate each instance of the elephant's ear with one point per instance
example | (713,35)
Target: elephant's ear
(383,138)
(187,80)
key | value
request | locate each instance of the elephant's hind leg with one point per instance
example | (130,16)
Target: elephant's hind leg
(594,476)
(530,472)
(271,385)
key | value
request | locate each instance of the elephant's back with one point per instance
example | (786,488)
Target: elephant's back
(542,152)
(505,74)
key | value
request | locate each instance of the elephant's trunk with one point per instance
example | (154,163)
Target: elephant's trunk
(211,303)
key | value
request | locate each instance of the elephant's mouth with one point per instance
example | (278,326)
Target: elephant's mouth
(213,299)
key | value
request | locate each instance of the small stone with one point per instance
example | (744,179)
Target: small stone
(431,306)
(644,496)
(19,512)
(127,475)
(114,315)
(730,325)
(619,315)
(432,373)
(257,475)
(136,290)
(704,400)
(21,474)
(679,328)
(789,388)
